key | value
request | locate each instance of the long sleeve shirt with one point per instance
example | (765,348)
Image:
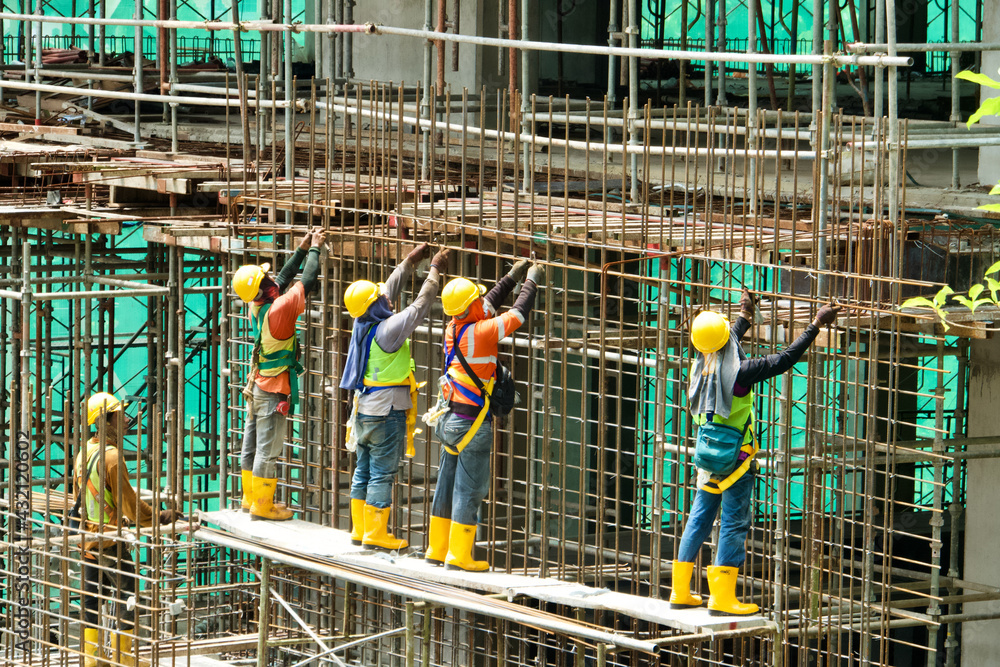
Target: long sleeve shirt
(393,332)
(761,369)
(285,310)
(480,343)
(116,479)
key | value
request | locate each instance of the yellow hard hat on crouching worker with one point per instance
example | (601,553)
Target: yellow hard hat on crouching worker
(360,295)
(247,280)
(459,294)
(102,403)
(709,332)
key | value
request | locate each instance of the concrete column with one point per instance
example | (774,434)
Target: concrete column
(981,640)
(989,158)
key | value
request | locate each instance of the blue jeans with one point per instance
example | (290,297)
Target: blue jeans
(381,442)
(263,435)
(463,480)
(736,509)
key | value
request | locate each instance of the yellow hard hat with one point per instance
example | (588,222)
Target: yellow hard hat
(709,332)
(360,295)
(247,280)
(100,403)
(459,294)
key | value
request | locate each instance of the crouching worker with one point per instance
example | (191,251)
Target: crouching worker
(466,427)
(379,371)
(272,389)
(108,502)
(721,390)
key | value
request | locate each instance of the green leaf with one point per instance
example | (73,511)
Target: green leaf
(976,77)
(989,207)
(918,302)
(979,302)
(995,190)
(989,107)
(993,269)
(942,296)
(994,287)
(964,301)
(975,291)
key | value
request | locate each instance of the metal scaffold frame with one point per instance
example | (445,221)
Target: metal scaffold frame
(642,214)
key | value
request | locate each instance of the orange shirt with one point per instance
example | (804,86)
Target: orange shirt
(281,319)
(479,345)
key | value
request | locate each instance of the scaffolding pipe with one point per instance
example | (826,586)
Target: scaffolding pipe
(613,29)
(574,144)
(633,101)
(425,139)
(137,114)
(144,97)
(929,47)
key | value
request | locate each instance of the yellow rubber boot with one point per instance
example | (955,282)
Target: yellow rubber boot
(377,535)
(93,652)
(461,542)
(437,541)
(357,521)
(247,476)
(123,652)
(680,590)
(723,602)
(263,508)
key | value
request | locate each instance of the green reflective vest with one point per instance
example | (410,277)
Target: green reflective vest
(275,356)
(96,512)
(388,369)
(742,409)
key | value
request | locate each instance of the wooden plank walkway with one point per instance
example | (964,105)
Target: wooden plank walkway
(335,545)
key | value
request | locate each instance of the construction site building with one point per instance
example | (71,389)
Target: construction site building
(657,158)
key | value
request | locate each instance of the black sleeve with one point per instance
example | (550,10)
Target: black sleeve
(760,369)
(310,273)
(496,296)
(526,299)
(740,327)
(288,271)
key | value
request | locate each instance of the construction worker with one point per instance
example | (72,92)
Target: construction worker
(466,429)
(379,370)
(272,389)
(108,501)
(721,390)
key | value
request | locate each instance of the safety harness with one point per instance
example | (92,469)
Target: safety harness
(457,378)
(279,360)
(750,449)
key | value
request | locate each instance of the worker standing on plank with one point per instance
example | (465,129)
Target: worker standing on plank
(272,389)
(379,370)
(466,429)
(108,501)
(721,390)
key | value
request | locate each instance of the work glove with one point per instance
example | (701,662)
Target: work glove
(827,315)
(440,260)
(422,251)
(748,306)
(536,274)
(169,516)
(518,270)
